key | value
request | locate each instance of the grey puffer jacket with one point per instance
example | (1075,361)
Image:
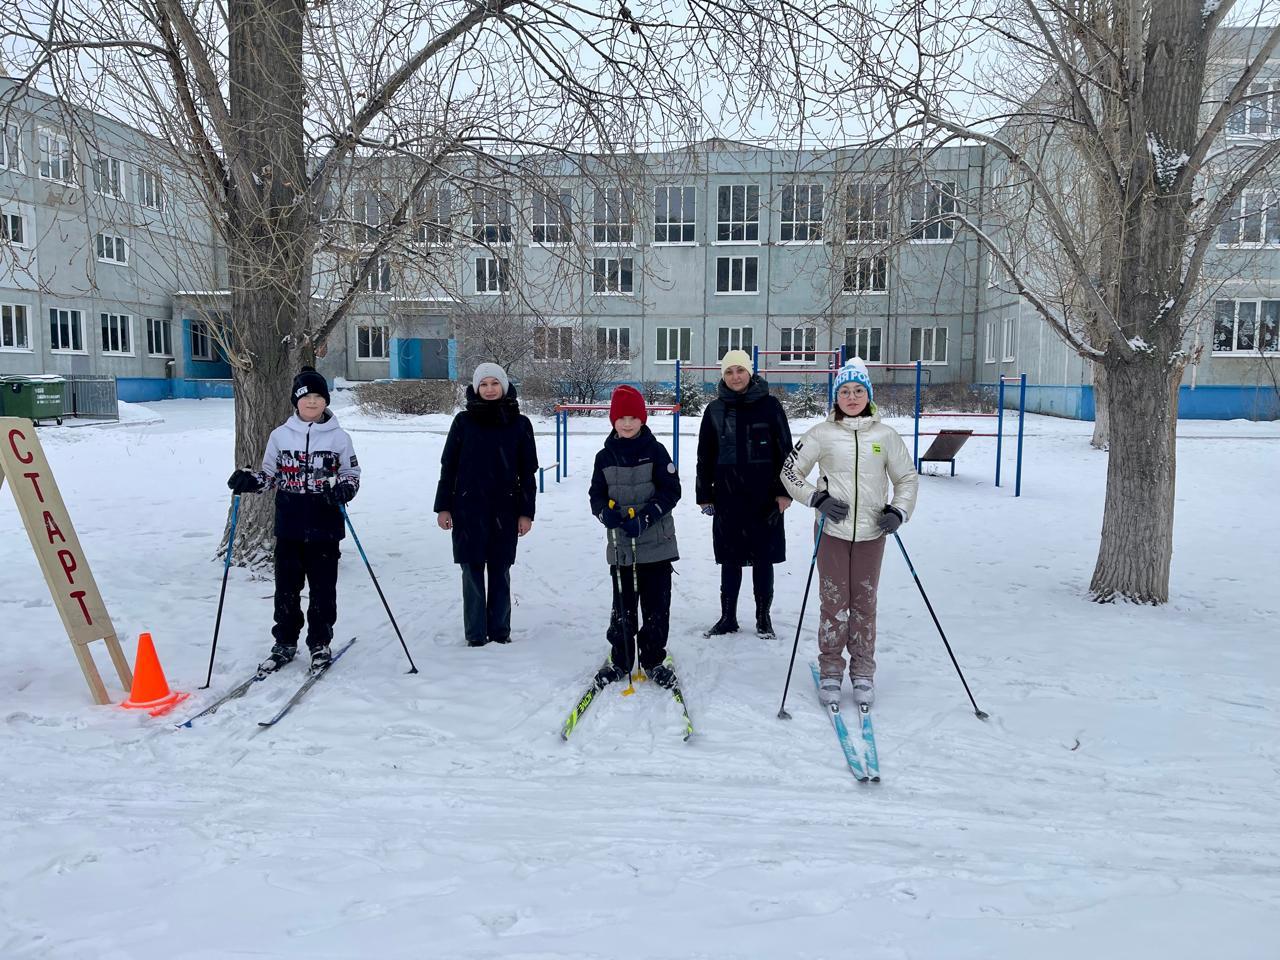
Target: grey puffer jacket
(637,473)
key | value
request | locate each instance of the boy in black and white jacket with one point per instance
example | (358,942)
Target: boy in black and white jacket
(312,466)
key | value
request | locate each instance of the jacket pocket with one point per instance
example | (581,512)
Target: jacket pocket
(759,443)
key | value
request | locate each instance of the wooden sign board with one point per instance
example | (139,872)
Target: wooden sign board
(62,561)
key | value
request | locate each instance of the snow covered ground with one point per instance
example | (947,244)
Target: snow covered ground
(1120,803)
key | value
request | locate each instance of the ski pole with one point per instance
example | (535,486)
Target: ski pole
(413,668)
(813,562)
(635,592)
(978,713)
(622,600)
(222,594)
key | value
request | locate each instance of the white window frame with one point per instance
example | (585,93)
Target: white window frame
(112,248)
(614,343)
(748,224)
(108,173)
(551,218)
(117,334)
(1259,306)
(924,345)
(1007,334)
(10,148)
(741,262)
(865,275)
(613,276)
(861,343)
(373,334)
(611,222)
(10,316)
(663,336)
(150,189)
(552,344)
(939,200)
(863,197)
(159,330)
(52,143)
(808,199)
(806,352)
(7,220)
(378,279)
(201,333)
(491,276)
(989,354)
(665,225)
(1266,213)
(1258,116)
(491,216)
(72,323)
(434,211)
(735,338)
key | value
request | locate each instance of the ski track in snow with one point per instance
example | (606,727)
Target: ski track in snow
(1121,801)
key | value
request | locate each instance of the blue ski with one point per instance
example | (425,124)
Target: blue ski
(869,744)
(837,721)
(239,690)
(307,684)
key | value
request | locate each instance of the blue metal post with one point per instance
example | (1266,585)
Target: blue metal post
(1022,409)
(999,425)
(755,359)
(675,437)
(917,415)
(565,415)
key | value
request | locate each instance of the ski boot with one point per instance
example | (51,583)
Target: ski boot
(829,691)
(321,657)
(864,691)
(609,673)
(662,675)
(281,654)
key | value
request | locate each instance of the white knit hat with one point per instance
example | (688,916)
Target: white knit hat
(735,358)
(490,370)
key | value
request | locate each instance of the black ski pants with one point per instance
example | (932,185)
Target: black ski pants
(315,563)
(486,618)
(654,601)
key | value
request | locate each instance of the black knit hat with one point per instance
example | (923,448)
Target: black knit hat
(308,381)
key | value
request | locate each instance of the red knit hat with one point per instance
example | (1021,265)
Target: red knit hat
(627,402)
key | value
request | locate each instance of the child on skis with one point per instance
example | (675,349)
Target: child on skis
(485,497)
(312,466)
(858,456)
(634,488)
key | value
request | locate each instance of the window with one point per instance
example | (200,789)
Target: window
(612,275)
(738,214)
(13,229)
(10,156)
(491,215)
(737,274)
(201,341)
(371,343)
(553,343)
(13,327)
(735,338)
(491,275)
(372,213)
(1247,326)
(159,338)
(1007,353)
(799,344)
(150,189)
(802,213)
(674,343)
(614,343)
(55,157)
(66,331)
(1259,113)
(866,212)
(611,220)
(866,275)
(552,217)
(117,333)
(433,211)
(378,279)
(929,344)
(990,355)
(112,249)
(109,177)
(1253,220)
(674,212)
(930,204)
(864,342)
(997,275)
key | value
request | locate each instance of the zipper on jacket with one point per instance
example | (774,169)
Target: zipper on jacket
(857,463)
(310,474)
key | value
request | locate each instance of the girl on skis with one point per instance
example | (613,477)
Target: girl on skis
(858,458)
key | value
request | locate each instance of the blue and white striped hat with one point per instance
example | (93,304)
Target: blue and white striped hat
(854,371)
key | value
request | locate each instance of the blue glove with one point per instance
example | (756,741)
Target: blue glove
(611,518)
(890,520)
(642,521)
(708,509)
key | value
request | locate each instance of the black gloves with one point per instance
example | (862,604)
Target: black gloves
(708,509)
(642,521)
(339,493)
(837,511)
(243,481)
(611,518)
(890,519)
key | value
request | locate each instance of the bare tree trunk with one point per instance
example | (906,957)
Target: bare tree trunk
(1137,521)
(1101,409)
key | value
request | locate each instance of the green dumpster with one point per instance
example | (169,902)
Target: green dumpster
(34,397)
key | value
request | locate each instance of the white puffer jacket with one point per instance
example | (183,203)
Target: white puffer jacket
(861,446)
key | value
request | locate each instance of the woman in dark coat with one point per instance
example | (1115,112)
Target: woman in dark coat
(741,447)
(486,497)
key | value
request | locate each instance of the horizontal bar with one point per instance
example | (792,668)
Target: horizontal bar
(605,406)
(962,415)
(935,433)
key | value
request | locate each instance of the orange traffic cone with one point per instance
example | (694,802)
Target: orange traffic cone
(150,689)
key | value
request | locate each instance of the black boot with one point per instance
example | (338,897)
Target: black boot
(728,622)
(764,625)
